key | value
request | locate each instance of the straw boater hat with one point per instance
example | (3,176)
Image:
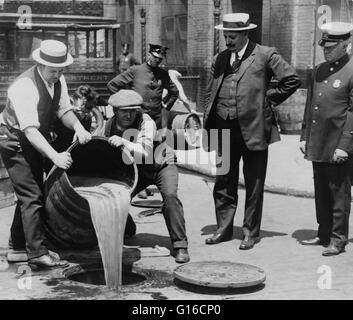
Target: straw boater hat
(236,22)
(52,53)
(334,32)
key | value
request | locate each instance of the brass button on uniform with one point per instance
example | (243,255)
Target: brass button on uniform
(331,69)
(316,108)
(314,121)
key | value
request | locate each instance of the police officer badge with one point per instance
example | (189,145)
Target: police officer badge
(337,84)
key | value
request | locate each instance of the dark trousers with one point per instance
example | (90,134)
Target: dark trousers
(25,168)
(166,180)
(225,192)
(332,184)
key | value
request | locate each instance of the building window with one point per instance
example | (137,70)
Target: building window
(174,36)
(125,17)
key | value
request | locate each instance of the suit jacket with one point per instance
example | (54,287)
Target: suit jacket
(328,116)
(254,97)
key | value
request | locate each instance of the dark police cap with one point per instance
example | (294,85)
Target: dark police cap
(126,99)
(334,32)
(158,50)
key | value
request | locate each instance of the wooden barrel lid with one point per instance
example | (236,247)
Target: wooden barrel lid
(147,203)
(220,274)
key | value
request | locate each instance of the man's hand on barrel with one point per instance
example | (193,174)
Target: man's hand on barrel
(82,135)
(116,141)
(63,160)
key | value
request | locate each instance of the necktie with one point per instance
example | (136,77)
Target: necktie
(236,63)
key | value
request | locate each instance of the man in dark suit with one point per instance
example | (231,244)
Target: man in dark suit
(239,100)
(327,137)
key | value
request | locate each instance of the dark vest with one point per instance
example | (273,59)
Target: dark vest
(227,103)
(47,107)
(226,100)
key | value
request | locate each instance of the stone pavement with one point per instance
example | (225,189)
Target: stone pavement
(287,172)
(292,270)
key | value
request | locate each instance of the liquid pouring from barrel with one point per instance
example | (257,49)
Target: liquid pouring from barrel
(91,200)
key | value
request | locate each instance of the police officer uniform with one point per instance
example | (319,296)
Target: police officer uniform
(126,59)
(149,82)
(327,126)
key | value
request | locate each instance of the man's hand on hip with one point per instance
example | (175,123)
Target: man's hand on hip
(340,156)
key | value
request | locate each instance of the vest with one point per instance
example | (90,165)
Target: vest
(47,107)
(226,102)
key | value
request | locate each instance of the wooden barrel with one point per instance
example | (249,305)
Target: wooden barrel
(7,195)
(67,219)
(186,128)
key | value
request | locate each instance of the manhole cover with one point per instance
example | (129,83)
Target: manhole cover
(220,274)
(147,203)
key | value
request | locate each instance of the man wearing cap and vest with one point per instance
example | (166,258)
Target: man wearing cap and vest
(239,99)
(35,99)
(327,137)
(126,59)
(149,80)
(136,131)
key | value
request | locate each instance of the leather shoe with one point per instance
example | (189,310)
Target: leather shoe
(182,256)
(333,250)
(218,238)
(248,243)
(17,256)
(50,260)
(314,242)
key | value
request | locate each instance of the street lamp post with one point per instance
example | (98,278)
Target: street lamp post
(143,33)
(216,13)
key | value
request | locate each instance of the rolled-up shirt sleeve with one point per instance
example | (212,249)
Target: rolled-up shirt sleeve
(147,134)
(24,98)
(64,103)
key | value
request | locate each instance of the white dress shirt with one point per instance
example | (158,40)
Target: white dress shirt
(24,97)
(240,53)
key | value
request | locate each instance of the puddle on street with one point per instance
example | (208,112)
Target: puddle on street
(96,277)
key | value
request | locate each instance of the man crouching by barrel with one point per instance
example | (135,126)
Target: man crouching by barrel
(136,131)
(35,99)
